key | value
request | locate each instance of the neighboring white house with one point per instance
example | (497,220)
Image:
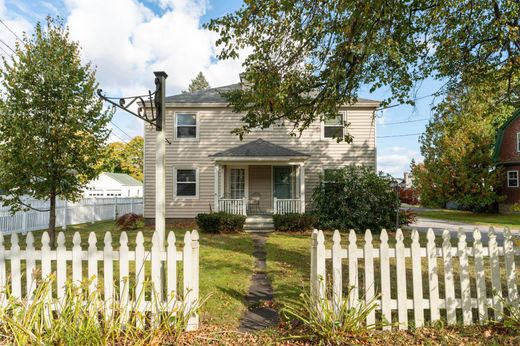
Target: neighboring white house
(114,185)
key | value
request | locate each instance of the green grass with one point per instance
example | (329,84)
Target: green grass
(500,220)
(226,266)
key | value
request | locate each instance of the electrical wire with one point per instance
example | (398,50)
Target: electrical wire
(12,32)
(120,129)
(404,135)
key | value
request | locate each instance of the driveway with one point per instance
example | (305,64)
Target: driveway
(423,224)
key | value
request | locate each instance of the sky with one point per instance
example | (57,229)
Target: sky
(126,40)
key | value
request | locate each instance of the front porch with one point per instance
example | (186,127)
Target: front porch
(260,178)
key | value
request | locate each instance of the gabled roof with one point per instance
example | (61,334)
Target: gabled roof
(500,134)
(259,149)
(123,179)
(214,95)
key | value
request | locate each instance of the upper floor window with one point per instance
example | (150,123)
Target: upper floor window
(334,127)
(186,181)
(186,126)
(512,178)
(518,142)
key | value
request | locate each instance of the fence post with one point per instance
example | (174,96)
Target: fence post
(115,208)
(65,215)
(320,265)
(93,215)
(131,204)
(194,319)
(188,276)
(337,282)
(314,279)
(24,219)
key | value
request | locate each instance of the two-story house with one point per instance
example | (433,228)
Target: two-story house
(210,169)
(507,155)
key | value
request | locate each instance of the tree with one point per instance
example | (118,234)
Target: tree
(52,124)
(309,57)
(197,84)
(119,157)
(357,198)
(457,148)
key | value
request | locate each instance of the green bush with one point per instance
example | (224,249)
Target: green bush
(220,222)
(130,221)
(293,222)
(356,198)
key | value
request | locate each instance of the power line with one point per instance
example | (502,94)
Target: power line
(120,129)
(8,46)
(2,48)
(405,135)
(115,134)
(405,122)
(12,32)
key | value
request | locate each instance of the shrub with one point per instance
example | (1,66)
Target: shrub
(406,217)
(355,198)
(130,221)
(220,222)
(293,222)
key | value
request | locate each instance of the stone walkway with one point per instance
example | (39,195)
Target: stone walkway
(259,315)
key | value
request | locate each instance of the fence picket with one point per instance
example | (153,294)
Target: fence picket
(496,285)
(92,262)
(353,281)
(418,308)
(510,268)
(46,255)
(30,265)
(139,274)
(369,275)
(61,265)
(449,285)
(465,292)
(386,298)
(3,278)
(156,276)
(431,250)
(108,274)
(16,278)
(77,261)
(400,262)
(314,263)
(480,274)
(171,288)
(337,284)
(320,265)
(194,319)
(124,279)
(186,258)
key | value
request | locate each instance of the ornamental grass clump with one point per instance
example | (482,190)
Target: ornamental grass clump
(323,321)
(83,318)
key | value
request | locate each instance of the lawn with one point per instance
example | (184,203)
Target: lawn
(500,220)
(226,266)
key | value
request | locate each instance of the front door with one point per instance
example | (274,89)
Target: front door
(237,184)
(282,185)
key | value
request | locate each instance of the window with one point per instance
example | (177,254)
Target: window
(238,183)
(186,126)
(512,178)
(518,142)
(334,128)
(186,182)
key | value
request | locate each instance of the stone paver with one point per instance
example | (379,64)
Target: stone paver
(259,316)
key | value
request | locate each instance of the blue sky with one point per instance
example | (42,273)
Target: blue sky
(128,39)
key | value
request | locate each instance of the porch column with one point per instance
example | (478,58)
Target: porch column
(216,185)
(302,187)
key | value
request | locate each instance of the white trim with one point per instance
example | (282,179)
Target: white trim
(270,159)
(518,142)
(322,124)
(517,179)
(197,182)
(197,126)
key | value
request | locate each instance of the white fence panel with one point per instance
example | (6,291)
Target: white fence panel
(466,269)
(69,261)
(287,206)
(67,213)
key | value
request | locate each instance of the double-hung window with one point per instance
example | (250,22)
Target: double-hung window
(186,126)
(334,127)
(512,178)
(186,181)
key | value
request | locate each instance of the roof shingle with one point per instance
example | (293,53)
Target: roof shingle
(259,148)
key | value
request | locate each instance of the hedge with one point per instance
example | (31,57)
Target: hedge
(220,222)
(293,222)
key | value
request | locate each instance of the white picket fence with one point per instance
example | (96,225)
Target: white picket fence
(461,284)
(132,294)
(68,213)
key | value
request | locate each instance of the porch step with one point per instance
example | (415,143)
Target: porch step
(259,223)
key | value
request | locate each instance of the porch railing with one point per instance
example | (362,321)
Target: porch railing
(286,206)
(233,206)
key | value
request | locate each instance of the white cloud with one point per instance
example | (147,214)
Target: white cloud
(127,41)
(17,24)
(396,160)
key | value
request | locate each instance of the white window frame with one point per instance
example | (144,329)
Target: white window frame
(518,142)
(344,116)
(228,179)
(197,182)
(509,179)
(197,126)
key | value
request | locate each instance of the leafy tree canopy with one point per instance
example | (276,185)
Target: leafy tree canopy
(119,157)
(310,56)
(52,124)
(197,84)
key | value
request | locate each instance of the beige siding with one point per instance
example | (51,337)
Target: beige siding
(215,126)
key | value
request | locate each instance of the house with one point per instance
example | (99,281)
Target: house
(113,185)
(210,169)
(507,155)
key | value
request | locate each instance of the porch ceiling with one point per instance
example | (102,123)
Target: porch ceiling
(260,150)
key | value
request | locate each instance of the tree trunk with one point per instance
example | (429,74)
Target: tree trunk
(52,221)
